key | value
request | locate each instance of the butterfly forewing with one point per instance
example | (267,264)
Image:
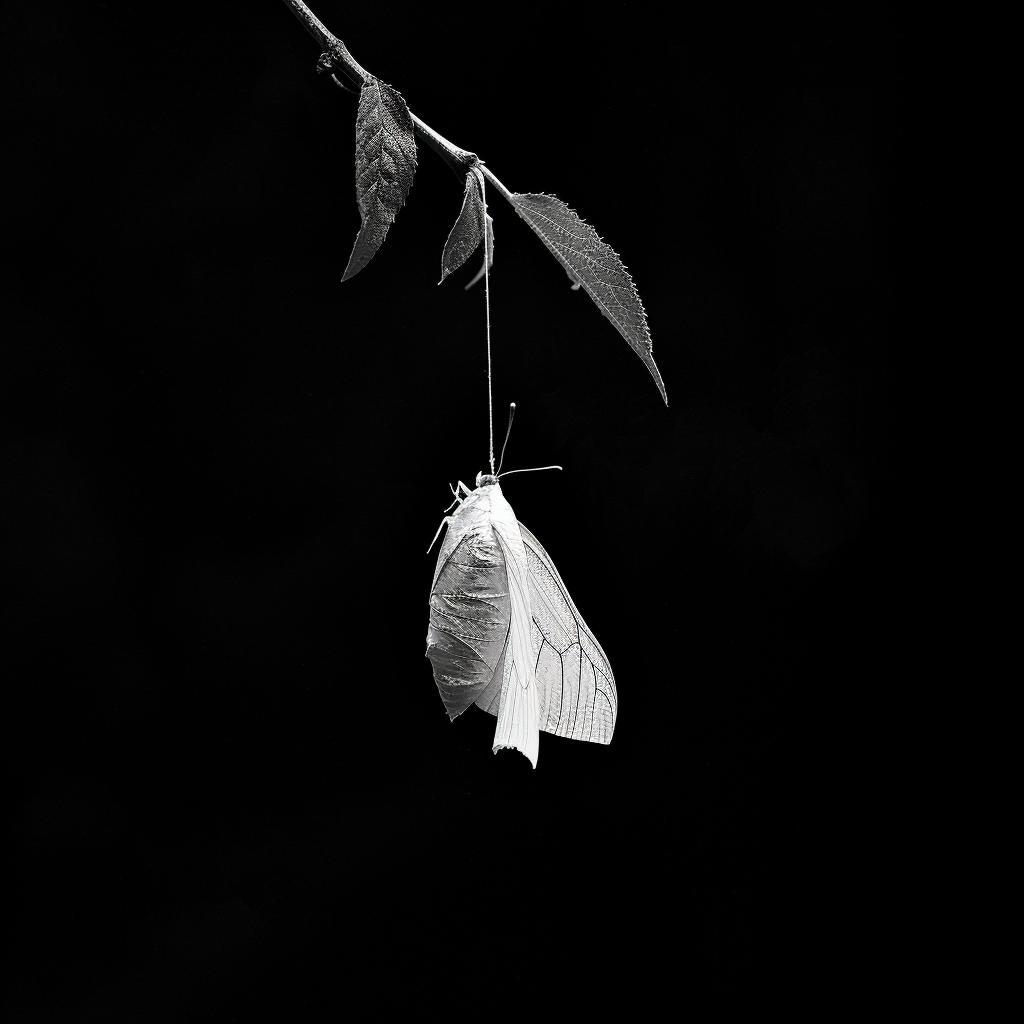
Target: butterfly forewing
(469,609)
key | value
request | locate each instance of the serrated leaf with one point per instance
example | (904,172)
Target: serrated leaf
(469,229)
(385,165)
(593,264)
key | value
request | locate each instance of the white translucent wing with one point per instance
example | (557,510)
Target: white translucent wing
(576,688)
(518,702)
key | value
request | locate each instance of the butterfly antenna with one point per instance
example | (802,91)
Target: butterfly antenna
(511,415)
(533,469)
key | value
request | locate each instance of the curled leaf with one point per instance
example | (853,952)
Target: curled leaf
(473,226)
(385,165)
(488,251)
(593,264)
(469,229)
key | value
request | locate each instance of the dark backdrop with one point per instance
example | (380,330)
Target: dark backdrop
(235,784)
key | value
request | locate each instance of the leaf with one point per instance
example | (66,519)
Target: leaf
(385,165)
(473,226)
(593,264)
(469,229)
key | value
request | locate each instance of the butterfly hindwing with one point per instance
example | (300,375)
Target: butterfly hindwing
(576,688)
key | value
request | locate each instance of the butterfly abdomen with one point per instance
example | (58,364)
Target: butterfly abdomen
(470,611)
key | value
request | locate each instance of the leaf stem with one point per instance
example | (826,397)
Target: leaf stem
(497,184)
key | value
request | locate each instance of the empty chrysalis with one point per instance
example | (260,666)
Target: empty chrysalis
(504,633)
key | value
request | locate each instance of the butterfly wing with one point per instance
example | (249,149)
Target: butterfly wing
(518,700)
(470,608)
(576,688)
(504,633)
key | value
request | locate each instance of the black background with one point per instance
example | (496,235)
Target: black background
(236,789)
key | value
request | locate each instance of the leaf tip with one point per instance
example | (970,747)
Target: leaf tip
(353,268)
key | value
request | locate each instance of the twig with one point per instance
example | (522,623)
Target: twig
(460,160)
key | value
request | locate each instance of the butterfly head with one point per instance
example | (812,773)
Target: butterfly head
(485,479)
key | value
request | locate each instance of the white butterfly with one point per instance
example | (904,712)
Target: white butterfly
(504,632)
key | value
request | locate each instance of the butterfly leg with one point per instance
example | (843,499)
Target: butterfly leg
(444,522)
(455,491)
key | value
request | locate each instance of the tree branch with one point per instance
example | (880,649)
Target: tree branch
(460,160)
(589,261)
